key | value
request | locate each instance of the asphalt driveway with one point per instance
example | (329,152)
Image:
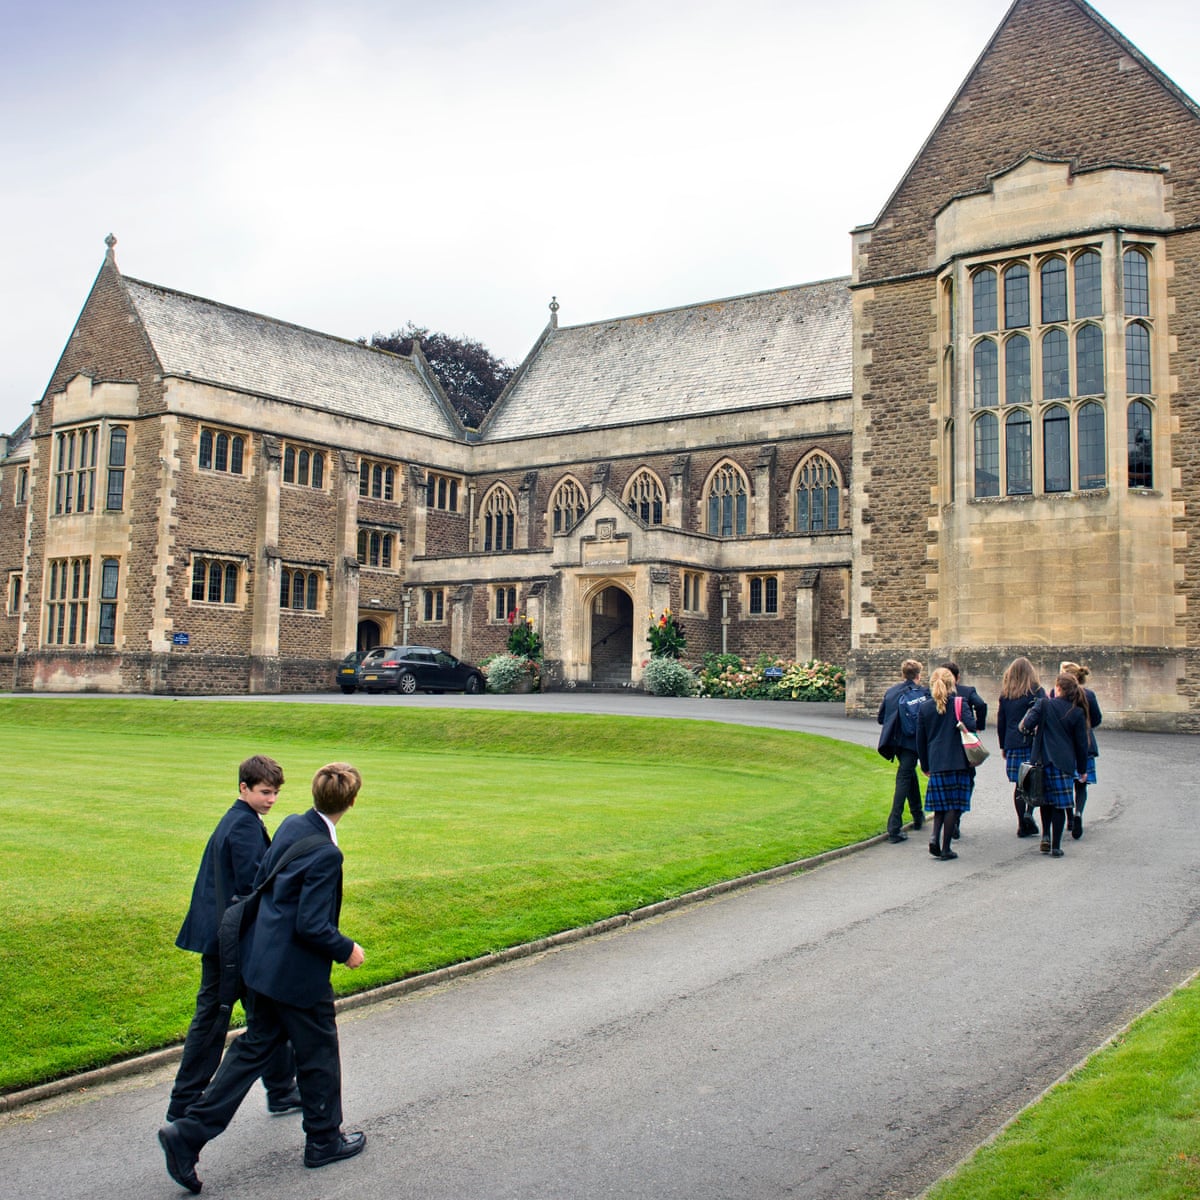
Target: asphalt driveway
(850,1032)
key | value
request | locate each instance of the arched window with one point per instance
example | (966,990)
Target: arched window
(1018,453)
(1054,290)
(1089,295)
(1016,297)
(1089,361)
(289,465)
(727,493)
(1137,358)
(986,374)
(221,459)
(1016,370)
(987,456)
(1056,366)
(983,301)
(818,492)
(1139,427)
(206,449)
(1056,449)
(1137,284)
(568,504)
(1092,470)
(499,519)
(645,497)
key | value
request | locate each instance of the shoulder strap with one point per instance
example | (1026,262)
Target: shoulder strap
(958,709)
(234,918)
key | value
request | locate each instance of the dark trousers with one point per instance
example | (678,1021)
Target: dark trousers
(907,790)
(205,1041)
(270,1025)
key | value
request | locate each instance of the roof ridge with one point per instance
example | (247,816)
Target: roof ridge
(249,312)
(678,308)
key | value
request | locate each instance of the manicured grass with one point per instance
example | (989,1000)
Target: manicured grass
(1123,1127)
(474,831)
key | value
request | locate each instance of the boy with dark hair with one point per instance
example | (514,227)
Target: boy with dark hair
(898,741)
(227,869)
(288,956)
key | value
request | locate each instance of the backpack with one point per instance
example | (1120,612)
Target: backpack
(235,919)
(910,708)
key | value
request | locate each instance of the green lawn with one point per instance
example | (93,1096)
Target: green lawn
(474,831)
(1123,1127)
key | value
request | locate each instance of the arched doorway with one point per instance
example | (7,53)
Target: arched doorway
(611,640)
(369,635)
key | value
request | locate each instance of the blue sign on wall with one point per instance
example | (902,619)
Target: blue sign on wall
(180,639)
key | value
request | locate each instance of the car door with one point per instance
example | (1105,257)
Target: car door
(448,673)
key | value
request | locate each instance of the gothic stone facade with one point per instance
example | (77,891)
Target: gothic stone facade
(977,445)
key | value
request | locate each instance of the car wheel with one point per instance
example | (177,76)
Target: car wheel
(349,691)
(407,683)
(473,687)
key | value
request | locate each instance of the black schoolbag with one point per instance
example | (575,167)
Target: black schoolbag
(238,915)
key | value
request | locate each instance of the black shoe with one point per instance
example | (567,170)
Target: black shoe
(1045,846)
(1056,853)
(947,855)
(1029,828)
(1077,826)
(935,850)
(918,821)
(181,1162)
(897,837)
(283,1105)
(341,1145)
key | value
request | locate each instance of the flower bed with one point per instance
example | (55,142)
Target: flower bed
(731,677)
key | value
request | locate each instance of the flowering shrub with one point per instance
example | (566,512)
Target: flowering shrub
(729,676)
(664,676)
(505,672)
(665,636)
(523,639)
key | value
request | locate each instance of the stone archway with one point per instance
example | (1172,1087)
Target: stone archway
(369,635)
(610,635)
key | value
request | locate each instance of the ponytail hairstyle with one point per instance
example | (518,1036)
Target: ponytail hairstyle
(1067,688)
(941,684)
(1081,673)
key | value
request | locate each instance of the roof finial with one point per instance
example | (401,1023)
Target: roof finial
(553,312)
(110,242)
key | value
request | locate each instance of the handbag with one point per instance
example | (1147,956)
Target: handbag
(1031,783)
(973,748)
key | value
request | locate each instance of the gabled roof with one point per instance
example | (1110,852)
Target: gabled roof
(246,352)
(745,352)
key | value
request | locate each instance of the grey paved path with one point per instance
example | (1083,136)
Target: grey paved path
(848,1033)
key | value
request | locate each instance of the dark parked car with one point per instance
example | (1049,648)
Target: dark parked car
(346,674)
(410,669)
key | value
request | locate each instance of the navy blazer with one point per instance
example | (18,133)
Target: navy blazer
(1095,716)
(1061,734)
(294,940)
(974,701)
(892,736)
(1008,718)
(939,746)
(234,851)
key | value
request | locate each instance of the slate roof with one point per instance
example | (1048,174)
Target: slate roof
(745,352)
(246,352)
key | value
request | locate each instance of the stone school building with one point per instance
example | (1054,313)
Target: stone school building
(980,443)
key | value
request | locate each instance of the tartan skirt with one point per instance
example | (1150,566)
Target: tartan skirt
(1091,771)
(1060,788)
(949,791)
(1013,760)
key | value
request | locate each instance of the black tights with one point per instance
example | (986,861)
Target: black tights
(1053,821)
(944,825)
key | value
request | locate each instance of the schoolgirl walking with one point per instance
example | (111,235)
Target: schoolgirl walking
(942,758)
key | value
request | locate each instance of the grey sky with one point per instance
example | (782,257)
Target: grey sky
(352,166)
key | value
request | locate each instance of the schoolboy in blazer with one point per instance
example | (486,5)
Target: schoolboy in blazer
(288,955)
(227,869)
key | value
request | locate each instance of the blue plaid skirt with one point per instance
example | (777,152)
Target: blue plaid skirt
(949,791)
(1060,788)
(1091,772)
(1013,760)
